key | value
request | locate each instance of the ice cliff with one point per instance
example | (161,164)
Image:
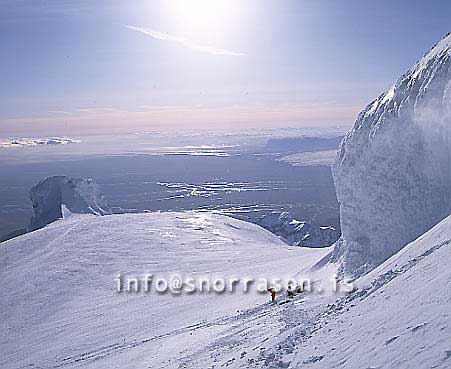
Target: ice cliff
(56,195)
(392,171)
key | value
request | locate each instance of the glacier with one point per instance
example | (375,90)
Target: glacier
(392,172)
(60,307)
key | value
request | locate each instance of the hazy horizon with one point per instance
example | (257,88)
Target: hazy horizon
(75,67)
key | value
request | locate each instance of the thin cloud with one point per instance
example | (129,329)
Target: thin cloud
(183,42)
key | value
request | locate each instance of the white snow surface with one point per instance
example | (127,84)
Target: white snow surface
(399,317)
(60,307)
(393,170)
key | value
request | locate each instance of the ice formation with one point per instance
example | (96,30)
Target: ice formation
(55,195)
(393,170)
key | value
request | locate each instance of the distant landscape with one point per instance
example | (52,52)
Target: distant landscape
(241,176)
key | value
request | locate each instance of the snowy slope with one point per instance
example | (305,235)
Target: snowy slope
(60,308)
(393,170)
(59,303)
(398,317)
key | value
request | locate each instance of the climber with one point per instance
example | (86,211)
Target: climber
(273,294)
(294,291)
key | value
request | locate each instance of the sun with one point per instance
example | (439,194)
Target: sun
(201,13)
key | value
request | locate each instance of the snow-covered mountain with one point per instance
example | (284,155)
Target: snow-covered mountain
(393,170)
(60,307)
(54,196)
(298,233)
(398,317)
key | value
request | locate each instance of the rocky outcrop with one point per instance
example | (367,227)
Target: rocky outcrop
(298,233)
(55,195)
(393,170)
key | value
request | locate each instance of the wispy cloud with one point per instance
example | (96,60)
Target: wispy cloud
(183,42)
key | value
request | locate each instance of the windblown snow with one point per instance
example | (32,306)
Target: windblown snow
(393,170)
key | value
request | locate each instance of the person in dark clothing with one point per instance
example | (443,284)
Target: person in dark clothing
(273,294)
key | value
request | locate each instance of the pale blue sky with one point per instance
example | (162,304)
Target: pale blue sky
(134,65)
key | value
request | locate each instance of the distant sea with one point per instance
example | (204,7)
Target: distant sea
(243,178)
